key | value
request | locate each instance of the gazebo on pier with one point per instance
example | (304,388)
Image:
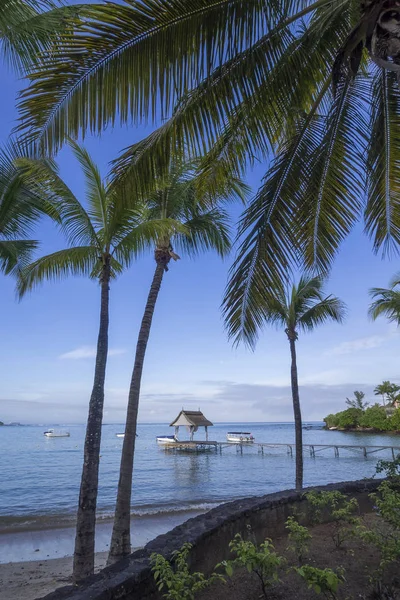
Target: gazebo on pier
(192,419)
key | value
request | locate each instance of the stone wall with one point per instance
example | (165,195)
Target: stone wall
(210,534)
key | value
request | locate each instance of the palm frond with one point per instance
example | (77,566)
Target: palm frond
(15,255)
(21,205)
(96,193)
(385,303)
(382,213)
(327,309)
(74,220)
(332,181)
(30,27)
(270,245)
(239,111)
(99,73)
(205,230)
(141,236)
(81,260)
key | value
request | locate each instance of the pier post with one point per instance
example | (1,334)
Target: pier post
(393,455)
(241,448)
(336,451)
(365,452)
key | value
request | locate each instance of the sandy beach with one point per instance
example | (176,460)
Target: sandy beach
(36,578)
(33,563)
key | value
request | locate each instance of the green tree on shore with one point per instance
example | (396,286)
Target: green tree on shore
(200,226)
(299,309)
(357,401)
(104,237)
(387,390)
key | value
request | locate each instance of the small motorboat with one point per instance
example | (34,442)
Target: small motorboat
(120,435)
(332,428)
(166,439)
(240,437)
(52,433)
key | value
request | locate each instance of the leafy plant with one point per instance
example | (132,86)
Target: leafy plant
(299,537)
(262,561)
(391,468)
(322,581)
(384,535)
(340,510)
(175,577)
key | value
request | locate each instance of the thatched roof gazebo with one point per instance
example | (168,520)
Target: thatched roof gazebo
(192,419)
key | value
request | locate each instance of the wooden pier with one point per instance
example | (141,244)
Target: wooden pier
(312,449)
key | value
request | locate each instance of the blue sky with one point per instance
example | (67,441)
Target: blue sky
(48,340)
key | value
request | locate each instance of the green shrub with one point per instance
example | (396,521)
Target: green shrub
(332,420)
(349,418)
(299,538)
(384,535)
(340,510)
(262,561)
(395,420)
(322,581)
(375,417)
(175,577)
(391,468)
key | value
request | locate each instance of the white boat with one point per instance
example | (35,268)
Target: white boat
(120,435)
(51,433)
(166,439)
(240,437)
(332,428)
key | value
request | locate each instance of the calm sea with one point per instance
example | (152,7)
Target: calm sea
(39,477)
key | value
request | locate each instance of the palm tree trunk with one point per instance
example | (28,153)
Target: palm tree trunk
(86,518)
(121,536)
(297,416)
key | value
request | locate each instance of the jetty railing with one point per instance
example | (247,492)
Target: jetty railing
(312,449)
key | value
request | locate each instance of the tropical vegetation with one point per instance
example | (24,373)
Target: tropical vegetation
(197,225)
(104,238)
(301,308)
(372,418)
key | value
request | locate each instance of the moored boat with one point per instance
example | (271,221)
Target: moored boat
(52,433)
(240,437)
(120,435)
(166,439)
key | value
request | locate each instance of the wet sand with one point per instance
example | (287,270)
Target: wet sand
(36,578)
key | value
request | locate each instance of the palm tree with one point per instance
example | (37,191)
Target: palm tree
(357,401)
(104,237)
(301,308)
(385,389)
(239,80)
(199,226)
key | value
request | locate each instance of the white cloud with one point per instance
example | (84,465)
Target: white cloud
(366,343)
(88,352)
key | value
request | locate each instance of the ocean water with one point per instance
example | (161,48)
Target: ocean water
(40,477)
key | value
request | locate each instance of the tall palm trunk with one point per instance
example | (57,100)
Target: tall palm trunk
(297,414)
(86,518)
(121,535)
